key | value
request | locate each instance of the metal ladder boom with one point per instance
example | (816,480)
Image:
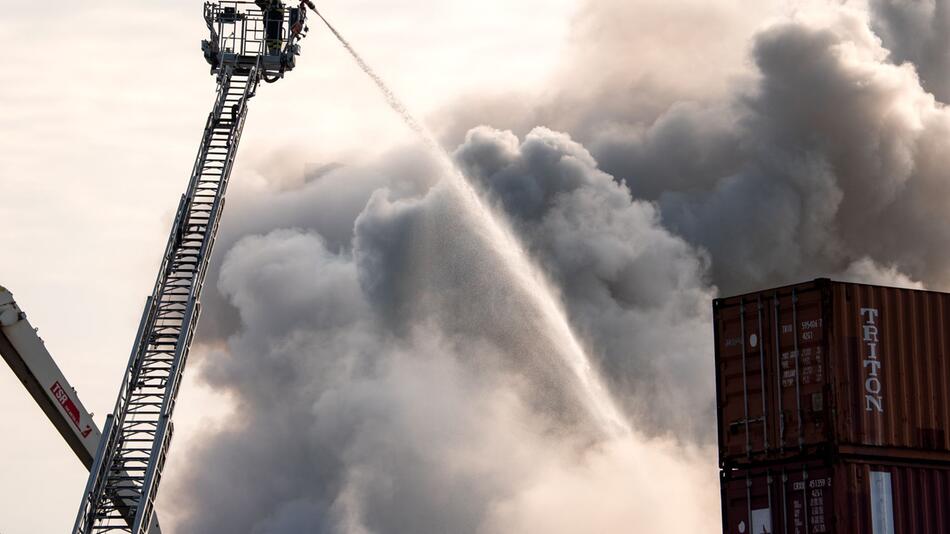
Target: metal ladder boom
(131,456)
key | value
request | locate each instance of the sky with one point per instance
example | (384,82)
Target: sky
(368,359)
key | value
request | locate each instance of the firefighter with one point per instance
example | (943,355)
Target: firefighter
(273,24)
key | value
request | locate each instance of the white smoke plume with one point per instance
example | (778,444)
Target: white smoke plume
(388,378)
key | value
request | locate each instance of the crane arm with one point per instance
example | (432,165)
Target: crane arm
(31,362)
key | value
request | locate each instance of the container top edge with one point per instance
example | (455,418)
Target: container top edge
(719,301)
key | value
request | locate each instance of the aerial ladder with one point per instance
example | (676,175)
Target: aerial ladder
(31,362)
(249,42)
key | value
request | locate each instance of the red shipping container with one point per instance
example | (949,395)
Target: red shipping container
(829,367)
(845,497)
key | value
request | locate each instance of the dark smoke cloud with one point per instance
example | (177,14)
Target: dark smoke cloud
(840,154)
(325,198)
(388,377)
(403,385)
(634,290)
(821,153)
(918,31)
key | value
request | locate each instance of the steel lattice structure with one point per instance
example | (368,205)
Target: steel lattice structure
(250,41)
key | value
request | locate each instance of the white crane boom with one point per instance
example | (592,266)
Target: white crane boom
(32,363)
(26,354)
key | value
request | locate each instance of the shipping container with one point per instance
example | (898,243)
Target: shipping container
(843,497)
(828,367)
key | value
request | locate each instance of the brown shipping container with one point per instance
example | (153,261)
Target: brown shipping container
(850,497)
(828,367)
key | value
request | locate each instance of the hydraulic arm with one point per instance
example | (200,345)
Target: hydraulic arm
(32,363)
(26,354)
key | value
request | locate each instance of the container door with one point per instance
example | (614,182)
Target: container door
(808,501)
(800,354)
(743,329)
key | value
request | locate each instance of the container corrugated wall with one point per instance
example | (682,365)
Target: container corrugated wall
(892,381)
(844,497)
(828,367)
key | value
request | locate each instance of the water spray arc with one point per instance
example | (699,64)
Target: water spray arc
(516,261)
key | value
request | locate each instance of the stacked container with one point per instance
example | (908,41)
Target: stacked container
(833,410)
